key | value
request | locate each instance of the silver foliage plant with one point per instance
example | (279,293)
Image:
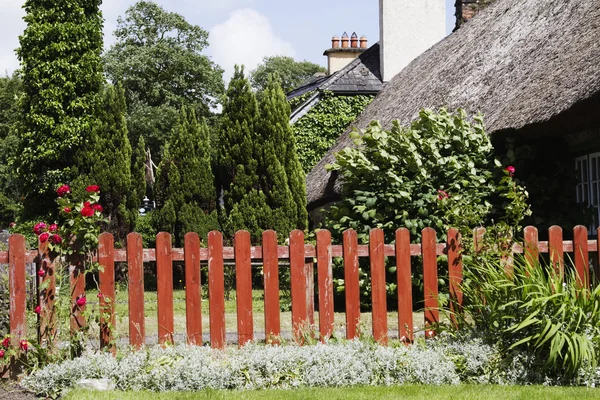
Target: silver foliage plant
(184,368)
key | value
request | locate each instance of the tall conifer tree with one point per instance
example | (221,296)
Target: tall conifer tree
(62,78)
(185,182)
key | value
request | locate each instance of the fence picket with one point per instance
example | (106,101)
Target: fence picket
(216,289)
(532,252)
(430,278)
(325,278)
(403,272)
(271,276)
(193,300)
(108,323)
(555,248)
(77,278)
(378,287)
(298,282)
(455,273)
(135,271)
(164,287)
(47,295)
(351,283)
(243,285)
(580,253)
(17,288)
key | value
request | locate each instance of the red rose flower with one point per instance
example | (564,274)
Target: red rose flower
(39,228)
(1,353)
(100,295)
(44,237)
(442,195)
(41,273)
(87,211)
(510,169)
(67,210)
(53,228)
(12,225)
(23,345)
(56,239)
(97,207)
(81,301)
(64,189)
(93,188)
(38,310)
(6,343)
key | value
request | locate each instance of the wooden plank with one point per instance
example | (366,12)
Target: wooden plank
(325,281)
(17,289)
(135,268)
(107,294)
(298,282)
(46,289)
(455,273)
(531,246)
(403,272)
(351,283)
(580,253)
(555,245)
(216,290)
(243,286)
(164,288)
(430,279)
(478,234)
(193,299)
(77,280)
(309,272)
(271,276)
(378,287)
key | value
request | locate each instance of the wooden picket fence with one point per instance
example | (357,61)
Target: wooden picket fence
(300,256)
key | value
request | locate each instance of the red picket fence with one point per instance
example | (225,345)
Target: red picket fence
(300,256)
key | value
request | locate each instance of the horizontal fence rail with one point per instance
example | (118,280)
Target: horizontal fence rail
(301,257)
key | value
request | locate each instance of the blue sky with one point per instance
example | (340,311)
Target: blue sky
(241,31)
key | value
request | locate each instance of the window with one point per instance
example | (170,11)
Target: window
(588,186)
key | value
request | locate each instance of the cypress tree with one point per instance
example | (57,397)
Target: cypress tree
(106,161)
(62,78)
(138,175)
(282,178)
(185,182)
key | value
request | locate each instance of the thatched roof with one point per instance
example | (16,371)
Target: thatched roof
(519,62)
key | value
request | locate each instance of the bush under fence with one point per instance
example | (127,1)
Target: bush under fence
(300,256)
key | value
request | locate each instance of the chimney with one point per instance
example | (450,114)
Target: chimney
(338,57)
(407,28)
(467,9)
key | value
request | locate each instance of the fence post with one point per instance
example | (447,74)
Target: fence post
(298,282)
(325,278)
(216,289)
(135,267)
(17,287)
(193,300)
(430,278)
(532,252)
(403,272)
(351,283)
(46,295)
(77,278)
(164,287)
(580,253)
(271,276)
(455,273)
(243,286)
(378,287)
(106,258)
(555,248)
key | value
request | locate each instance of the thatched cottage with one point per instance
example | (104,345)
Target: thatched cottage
(532,68)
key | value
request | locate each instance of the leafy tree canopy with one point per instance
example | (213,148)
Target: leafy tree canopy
(291,73)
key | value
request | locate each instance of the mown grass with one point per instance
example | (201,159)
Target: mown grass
(360,392)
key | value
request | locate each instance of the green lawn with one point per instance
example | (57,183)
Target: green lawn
(122,328)
(405,392)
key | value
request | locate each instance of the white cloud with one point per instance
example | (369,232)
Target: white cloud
(12,27)
(245,38)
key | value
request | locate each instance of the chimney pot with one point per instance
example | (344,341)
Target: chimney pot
(335,42)
(363,42)
(354,40)
(345,41)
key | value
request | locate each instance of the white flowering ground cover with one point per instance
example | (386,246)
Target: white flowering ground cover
(183,368)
